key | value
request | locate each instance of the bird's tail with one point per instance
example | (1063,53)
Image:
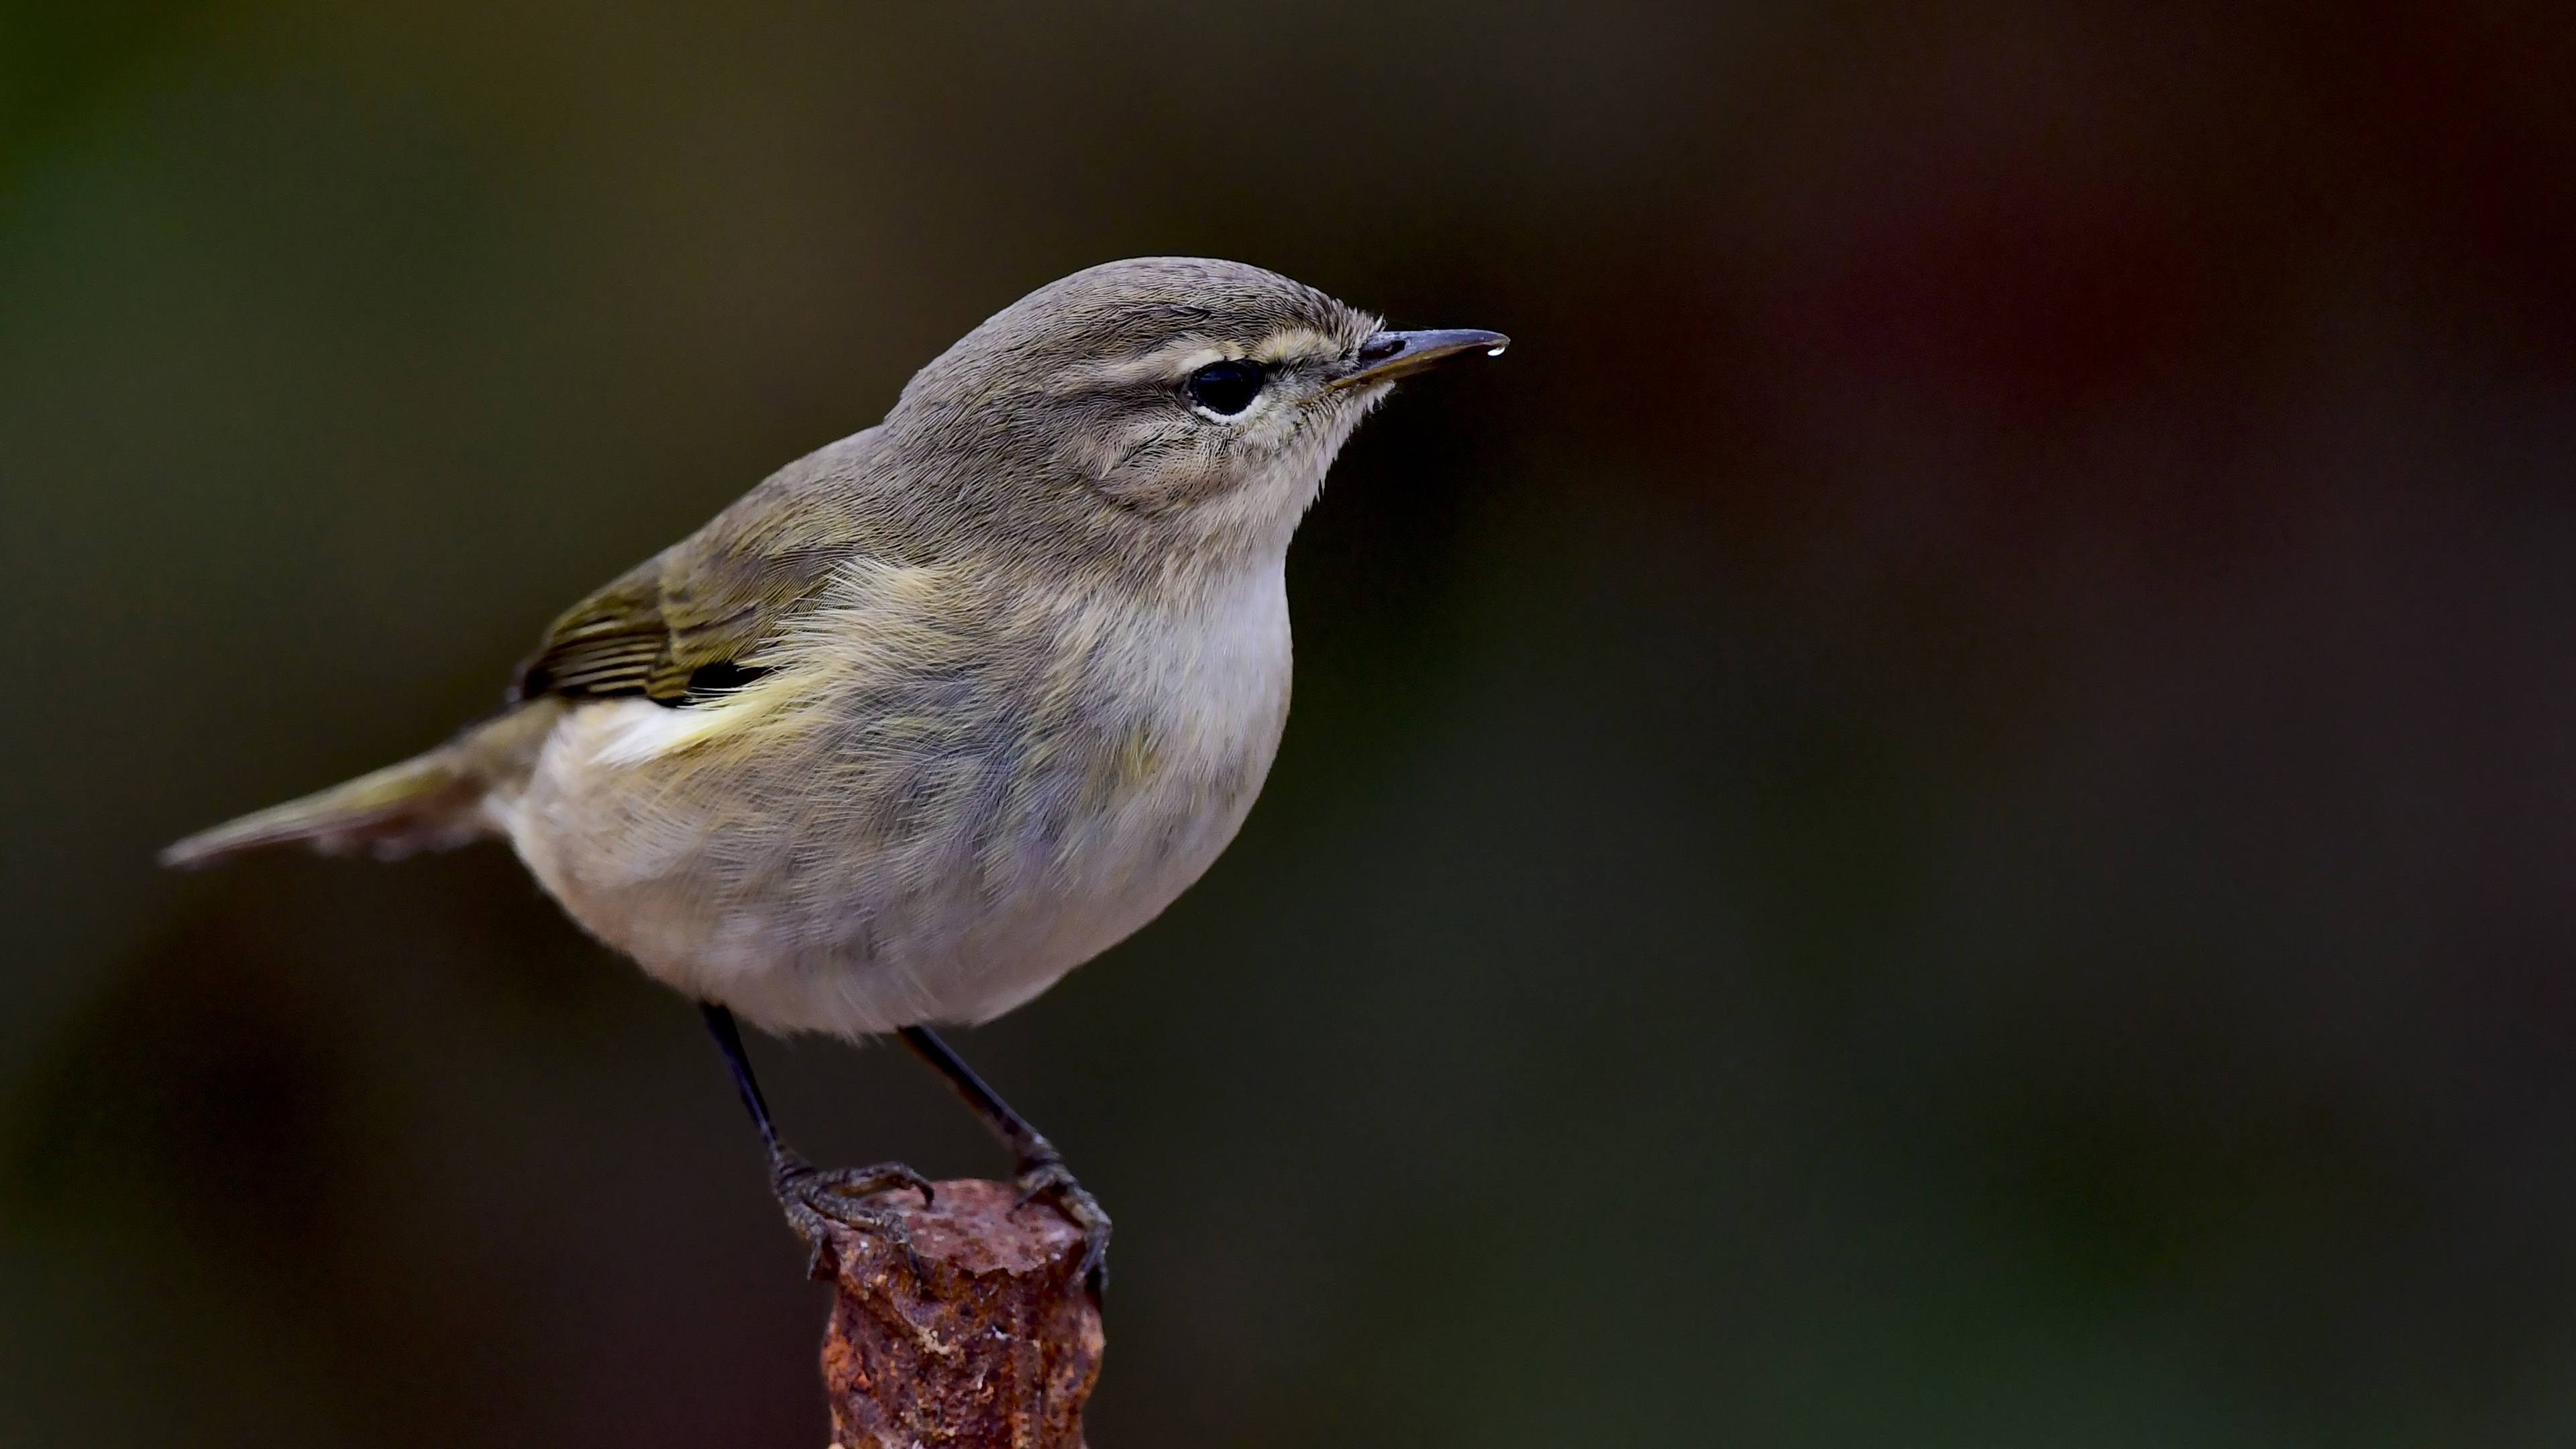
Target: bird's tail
(428,802)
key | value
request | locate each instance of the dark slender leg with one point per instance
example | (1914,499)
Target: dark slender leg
(812,1196)
(738,1061)
(1041,1168)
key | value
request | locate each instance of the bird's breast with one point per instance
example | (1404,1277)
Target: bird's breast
(1187,703)
(1214,674)
(933,812)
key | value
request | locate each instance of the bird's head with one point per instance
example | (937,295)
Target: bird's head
(1164,403)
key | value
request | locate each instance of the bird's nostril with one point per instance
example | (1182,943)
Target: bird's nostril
(1380,348)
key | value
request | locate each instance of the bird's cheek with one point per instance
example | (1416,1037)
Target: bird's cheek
(1159,469)
(1099,454)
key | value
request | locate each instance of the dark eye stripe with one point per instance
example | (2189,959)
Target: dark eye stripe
(1226,387)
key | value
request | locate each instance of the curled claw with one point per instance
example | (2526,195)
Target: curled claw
(814,1196)
(1042,1172)
(1052,1180)
(850,1182)
(1043,1179)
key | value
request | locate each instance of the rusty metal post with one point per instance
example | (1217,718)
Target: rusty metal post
(995,1346)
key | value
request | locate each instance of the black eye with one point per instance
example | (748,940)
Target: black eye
(1226,387)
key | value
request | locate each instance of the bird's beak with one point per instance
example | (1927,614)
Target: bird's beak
(1390,355)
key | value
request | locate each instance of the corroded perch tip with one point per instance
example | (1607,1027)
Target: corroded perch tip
(995,1344)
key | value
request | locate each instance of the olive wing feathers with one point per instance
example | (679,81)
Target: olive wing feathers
(696,615)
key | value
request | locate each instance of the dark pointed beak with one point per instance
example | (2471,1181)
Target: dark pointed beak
(1390,355)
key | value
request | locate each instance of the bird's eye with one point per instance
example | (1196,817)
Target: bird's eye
(1226,387)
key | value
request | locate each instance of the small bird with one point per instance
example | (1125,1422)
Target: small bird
(939,711)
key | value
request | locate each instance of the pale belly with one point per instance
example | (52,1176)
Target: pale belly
(820,870)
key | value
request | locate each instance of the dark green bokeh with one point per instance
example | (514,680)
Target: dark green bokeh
(1941,814)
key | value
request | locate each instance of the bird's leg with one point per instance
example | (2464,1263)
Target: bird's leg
(809,1195)
(1040,1167)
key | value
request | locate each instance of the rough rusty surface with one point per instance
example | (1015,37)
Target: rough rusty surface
(996,1347)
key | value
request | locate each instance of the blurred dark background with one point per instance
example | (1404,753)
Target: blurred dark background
(1941,815)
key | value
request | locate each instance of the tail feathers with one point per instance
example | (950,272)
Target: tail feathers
(422,804)
(430,802)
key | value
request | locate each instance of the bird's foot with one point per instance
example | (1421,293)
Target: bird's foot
(815,1197)
(1048,1177)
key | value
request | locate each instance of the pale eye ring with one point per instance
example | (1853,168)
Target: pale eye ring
(1227,388)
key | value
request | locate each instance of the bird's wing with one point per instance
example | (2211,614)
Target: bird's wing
(693,614)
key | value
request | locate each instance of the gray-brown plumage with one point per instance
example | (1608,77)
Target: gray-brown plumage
(945,708)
